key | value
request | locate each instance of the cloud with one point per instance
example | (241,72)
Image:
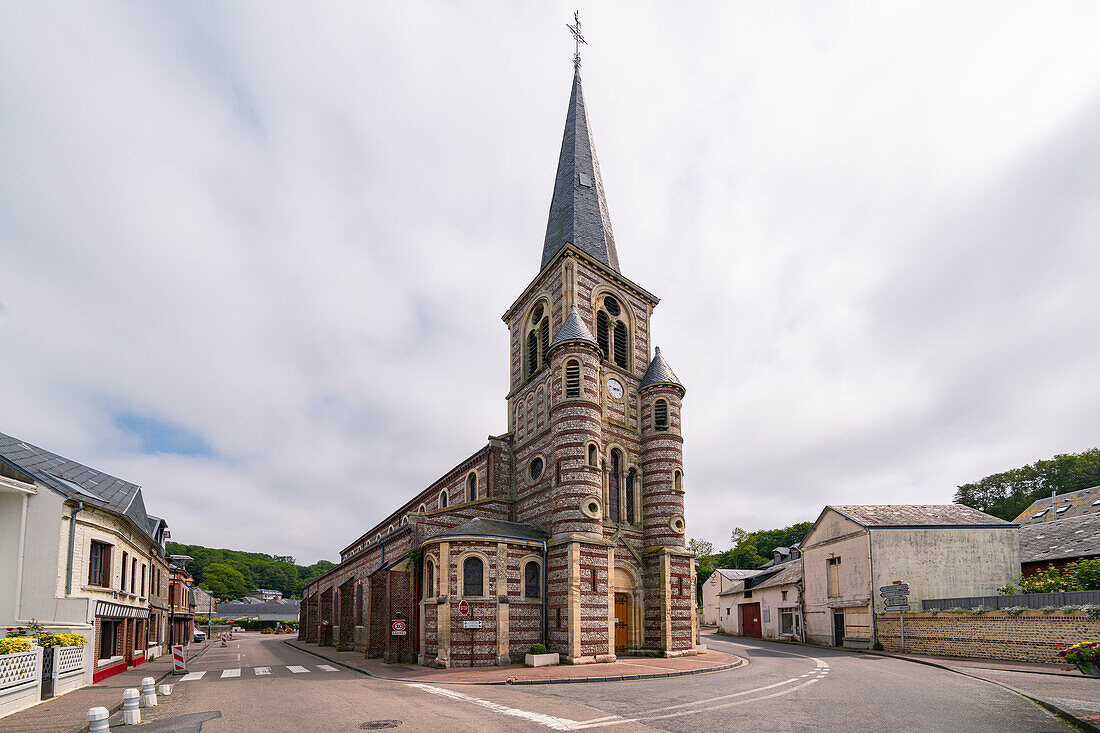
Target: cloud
(282,239)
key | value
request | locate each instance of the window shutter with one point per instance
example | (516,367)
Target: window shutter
(573,378)
(603,334)
(621,344)
(660,415)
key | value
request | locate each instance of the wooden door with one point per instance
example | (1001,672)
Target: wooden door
(621,622)
(750,620)
(838,628)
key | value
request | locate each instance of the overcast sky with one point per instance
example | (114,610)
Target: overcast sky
(253,257)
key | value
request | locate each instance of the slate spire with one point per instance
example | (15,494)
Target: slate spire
(578,210)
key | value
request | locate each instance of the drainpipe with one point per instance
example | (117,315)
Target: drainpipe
(19,566)
(72,548)
(545,635)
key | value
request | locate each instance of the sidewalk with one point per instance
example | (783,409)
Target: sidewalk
(1063,691)
(627,668)
(69,712)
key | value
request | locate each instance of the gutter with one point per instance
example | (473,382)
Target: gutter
(72,547)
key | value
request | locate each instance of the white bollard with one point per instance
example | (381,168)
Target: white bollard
(131,713)
(148,693)
(97,720)
(164,690)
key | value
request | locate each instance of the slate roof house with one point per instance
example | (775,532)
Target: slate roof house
(82,556)
(568,527)
(1061,506)
(765,605)
(1059,542)
(719,581)
(940,551)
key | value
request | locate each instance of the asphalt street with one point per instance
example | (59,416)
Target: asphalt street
(260,684)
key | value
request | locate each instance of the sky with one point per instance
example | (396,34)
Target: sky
(253,256)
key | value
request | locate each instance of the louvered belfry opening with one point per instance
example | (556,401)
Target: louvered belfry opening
(612,333)
(544,338)
(572,378)
(620,344)
(660,415)
(538,339)
(532,352)
(603,334)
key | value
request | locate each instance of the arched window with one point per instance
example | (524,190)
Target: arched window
(678,480)
(532,580)
(613,485)
(613,332)
(471,487)
(442,499)
(473,577)
(404,521)
(572,378)
(429,578)
(630,496)
(593,455)
(422,509)
(538,339)
(660,415)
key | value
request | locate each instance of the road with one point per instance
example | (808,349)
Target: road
(260,684)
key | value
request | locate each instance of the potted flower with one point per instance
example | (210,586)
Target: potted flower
(540,657)
(1085,655)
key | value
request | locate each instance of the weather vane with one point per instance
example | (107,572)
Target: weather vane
(578,39)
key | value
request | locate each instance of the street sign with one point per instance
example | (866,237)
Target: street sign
(897,601)
(897,609)
(894,594)
(398,628)
(895,586)
(464,608)
(471,624)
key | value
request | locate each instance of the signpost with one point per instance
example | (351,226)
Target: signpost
(464,609)
(398,628)
(896,598)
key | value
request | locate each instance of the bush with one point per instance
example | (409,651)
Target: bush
(14,644)
(1015,610)
(978,610)
(1091,610)
(538,649)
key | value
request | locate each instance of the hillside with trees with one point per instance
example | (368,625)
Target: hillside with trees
(229,574)
(1008,493)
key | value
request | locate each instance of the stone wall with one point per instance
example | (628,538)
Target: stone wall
(1029,637)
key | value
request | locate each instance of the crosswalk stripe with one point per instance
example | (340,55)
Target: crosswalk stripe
(231,673)
(262,670)
(297,670)
(327,668)
(192,676)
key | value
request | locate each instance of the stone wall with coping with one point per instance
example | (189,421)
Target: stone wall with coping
(1028,637)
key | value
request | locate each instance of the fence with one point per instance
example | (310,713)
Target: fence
(62,670)
(1027,600)
(20,680)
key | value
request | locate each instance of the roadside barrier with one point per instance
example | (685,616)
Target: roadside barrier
(165,690)
(178,666)
(131,713)
(148,693)
(97,720)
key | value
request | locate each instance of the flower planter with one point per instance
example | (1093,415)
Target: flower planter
(541,660)
(1089,669)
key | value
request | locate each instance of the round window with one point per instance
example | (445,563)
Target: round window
(677,525)
(611,305)
(536,468)
(591,508)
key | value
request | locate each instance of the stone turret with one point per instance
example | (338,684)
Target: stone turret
(662,456)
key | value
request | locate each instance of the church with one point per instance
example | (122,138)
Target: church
(568,528)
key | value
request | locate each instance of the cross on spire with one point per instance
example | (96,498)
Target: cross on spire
(578,38)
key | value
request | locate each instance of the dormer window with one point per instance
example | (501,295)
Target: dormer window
(613,332)
(538,338)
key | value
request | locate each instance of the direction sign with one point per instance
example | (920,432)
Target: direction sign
(471,624)
(464,608)
(895,586)
(897,609)
(897,601)
(894,594)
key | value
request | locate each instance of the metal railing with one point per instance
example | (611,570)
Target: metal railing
(1027,600)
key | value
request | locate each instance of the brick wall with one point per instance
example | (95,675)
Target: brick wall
(1029,637)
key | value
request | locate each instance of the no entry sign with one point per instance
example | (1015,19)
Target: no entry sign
(464,608)
(398,628)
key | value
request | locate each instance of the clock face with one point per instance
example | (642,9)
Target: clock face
(614,388)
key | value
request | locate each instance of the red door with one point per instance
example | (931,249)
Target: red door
(750,620)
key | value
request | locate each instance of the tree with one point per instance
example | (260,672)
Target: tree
(1010,492)
(224,582)
(704,559)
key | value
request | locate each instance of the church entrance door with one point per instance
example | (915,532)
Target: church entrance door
(622,627)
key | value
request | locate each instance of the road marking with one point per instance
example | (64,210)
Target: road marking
(231,673)
(262,670)
(297,670)
(549,721)
(327,668)
(192,676)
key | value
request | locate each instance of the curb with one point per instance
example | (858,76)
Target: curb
(1084,723)
(551,681)
(83,727)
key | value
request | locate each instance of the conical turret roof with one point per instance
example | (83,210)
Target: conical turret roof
(659,372)
(572,329)
(578,209)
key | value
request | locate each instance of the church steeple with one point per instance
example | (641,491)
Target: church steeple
(578,210)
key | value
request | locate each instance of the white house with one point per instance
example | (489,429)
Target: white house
(721,580)
(80,555)
(765,605)
(939,551)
